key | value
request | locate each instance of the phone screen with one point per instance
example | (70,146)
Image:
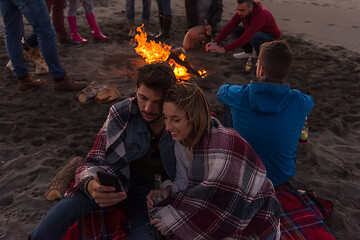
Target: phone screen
(108,179)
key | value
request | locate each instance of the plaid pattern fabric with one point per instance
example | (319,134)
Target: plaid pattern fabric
(102,224)
(303,214)
(110,133)
(228,195)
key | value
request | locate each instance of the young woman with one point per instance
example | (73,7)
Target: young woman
(227,194)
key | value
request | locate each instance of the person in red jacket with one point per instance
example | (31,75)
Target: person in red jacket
(258,26)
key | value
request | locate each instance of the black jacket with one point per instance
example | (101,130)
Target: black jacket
(215,12)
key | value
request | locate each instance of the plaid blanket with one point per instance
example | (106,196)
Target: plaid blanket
(228,195)
(114,126)
(106,223)
(303,214)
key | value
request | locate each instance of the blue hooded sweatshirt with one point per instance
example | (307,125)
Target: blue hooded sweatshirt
(270,117)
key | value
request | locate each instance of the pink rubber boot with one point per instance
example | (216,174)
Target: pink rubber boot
(73,29)
(94,27)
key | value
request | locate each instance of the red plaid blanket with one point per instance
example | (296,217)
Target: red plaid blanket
(107,223)
(303,214)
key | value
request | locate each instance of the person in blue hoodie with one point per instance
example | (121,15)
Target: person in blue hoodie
(268,113)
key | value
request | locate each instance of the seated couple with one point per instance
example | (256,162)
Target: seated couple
(218,184)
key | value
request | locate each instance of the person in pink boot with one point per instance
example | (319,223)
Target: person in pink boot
(88,7)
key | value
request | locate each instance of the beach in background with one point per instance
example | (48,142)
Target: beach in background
(43,130)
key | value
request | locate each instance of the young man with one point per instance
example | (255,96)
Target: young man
(37,14)
(259,26)
(268,113)
(132,144)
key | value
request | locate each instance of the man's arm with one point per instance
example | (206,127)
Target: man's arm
(229,94)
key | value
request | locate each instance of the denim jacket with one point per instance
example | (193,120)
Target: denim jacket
(123,138)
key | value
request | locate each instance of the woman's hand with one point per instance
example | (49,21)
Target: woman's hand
(157,225)
(104,196)
(164,192)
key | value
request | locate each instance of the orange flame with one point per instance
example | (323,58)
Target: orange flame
(160,52)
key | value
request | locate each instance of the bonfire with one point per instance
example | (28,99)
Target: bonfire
(152,52)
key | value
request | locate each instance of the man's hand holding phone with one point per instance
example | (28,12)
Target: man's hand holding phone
(105,195)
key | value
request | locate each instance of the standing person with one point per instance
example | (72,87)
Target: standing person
(227,195)
(89,15)
(268,113)
(37,14)
(57,9)
(165,16)
(258,26)
(133,145)
(130,14)
(202,17)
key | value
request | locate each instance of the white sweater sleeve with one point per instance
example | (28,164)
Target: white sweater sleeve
(182,156)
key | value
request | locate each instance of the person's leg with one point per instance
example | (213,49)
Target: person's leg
(137,208)
(146,10)
(227,117)
(130,14)
(166,5)
(146,17)
(62,216)
(260,38)
(237,33)
(36,12)
(73,6)
(160,6)
(89,15)
(58,19)
(13,34)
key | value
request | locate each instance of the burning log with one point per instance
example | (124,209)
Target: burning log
(183,63)
(152,51)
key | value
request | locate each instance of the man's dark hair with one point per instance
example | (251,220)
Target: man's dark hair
(249,2)
(275,57)
(157,76)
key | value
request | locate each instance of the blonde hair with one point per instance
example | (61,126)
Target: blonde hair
(191,100)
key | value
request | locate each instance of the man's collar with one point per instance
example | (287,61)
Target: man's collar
(271,81)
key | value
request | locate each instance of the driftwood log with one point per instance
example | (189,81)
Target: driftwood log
(107,95)
(62,179)
(90,91)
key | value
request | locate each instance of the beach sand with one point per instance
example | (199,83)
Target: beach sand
(41,131)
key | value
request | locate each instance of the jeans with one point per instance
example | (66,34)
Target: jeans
(164,7)
(130,10)
(227,117)
(137,208)
(255,42)
(62,216)
(37,14)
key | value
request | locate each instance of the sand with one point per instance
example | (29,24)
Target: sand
(43,130)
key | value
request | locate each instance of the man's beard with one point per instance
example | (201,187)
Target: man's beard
(155,119)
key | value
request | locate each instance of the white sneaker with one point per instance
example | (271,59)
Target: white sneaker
(243,55)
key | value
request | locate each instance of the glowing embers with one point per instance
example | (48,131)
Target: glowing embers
(152,52)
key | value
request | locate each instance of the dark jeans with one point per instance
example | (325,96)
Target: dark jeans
(69,210)
(255,42)
(37,14)
(62,216)
(164,7)
(227,117)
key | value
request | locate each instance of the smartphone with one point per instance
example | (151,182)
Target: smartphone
(108,179)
